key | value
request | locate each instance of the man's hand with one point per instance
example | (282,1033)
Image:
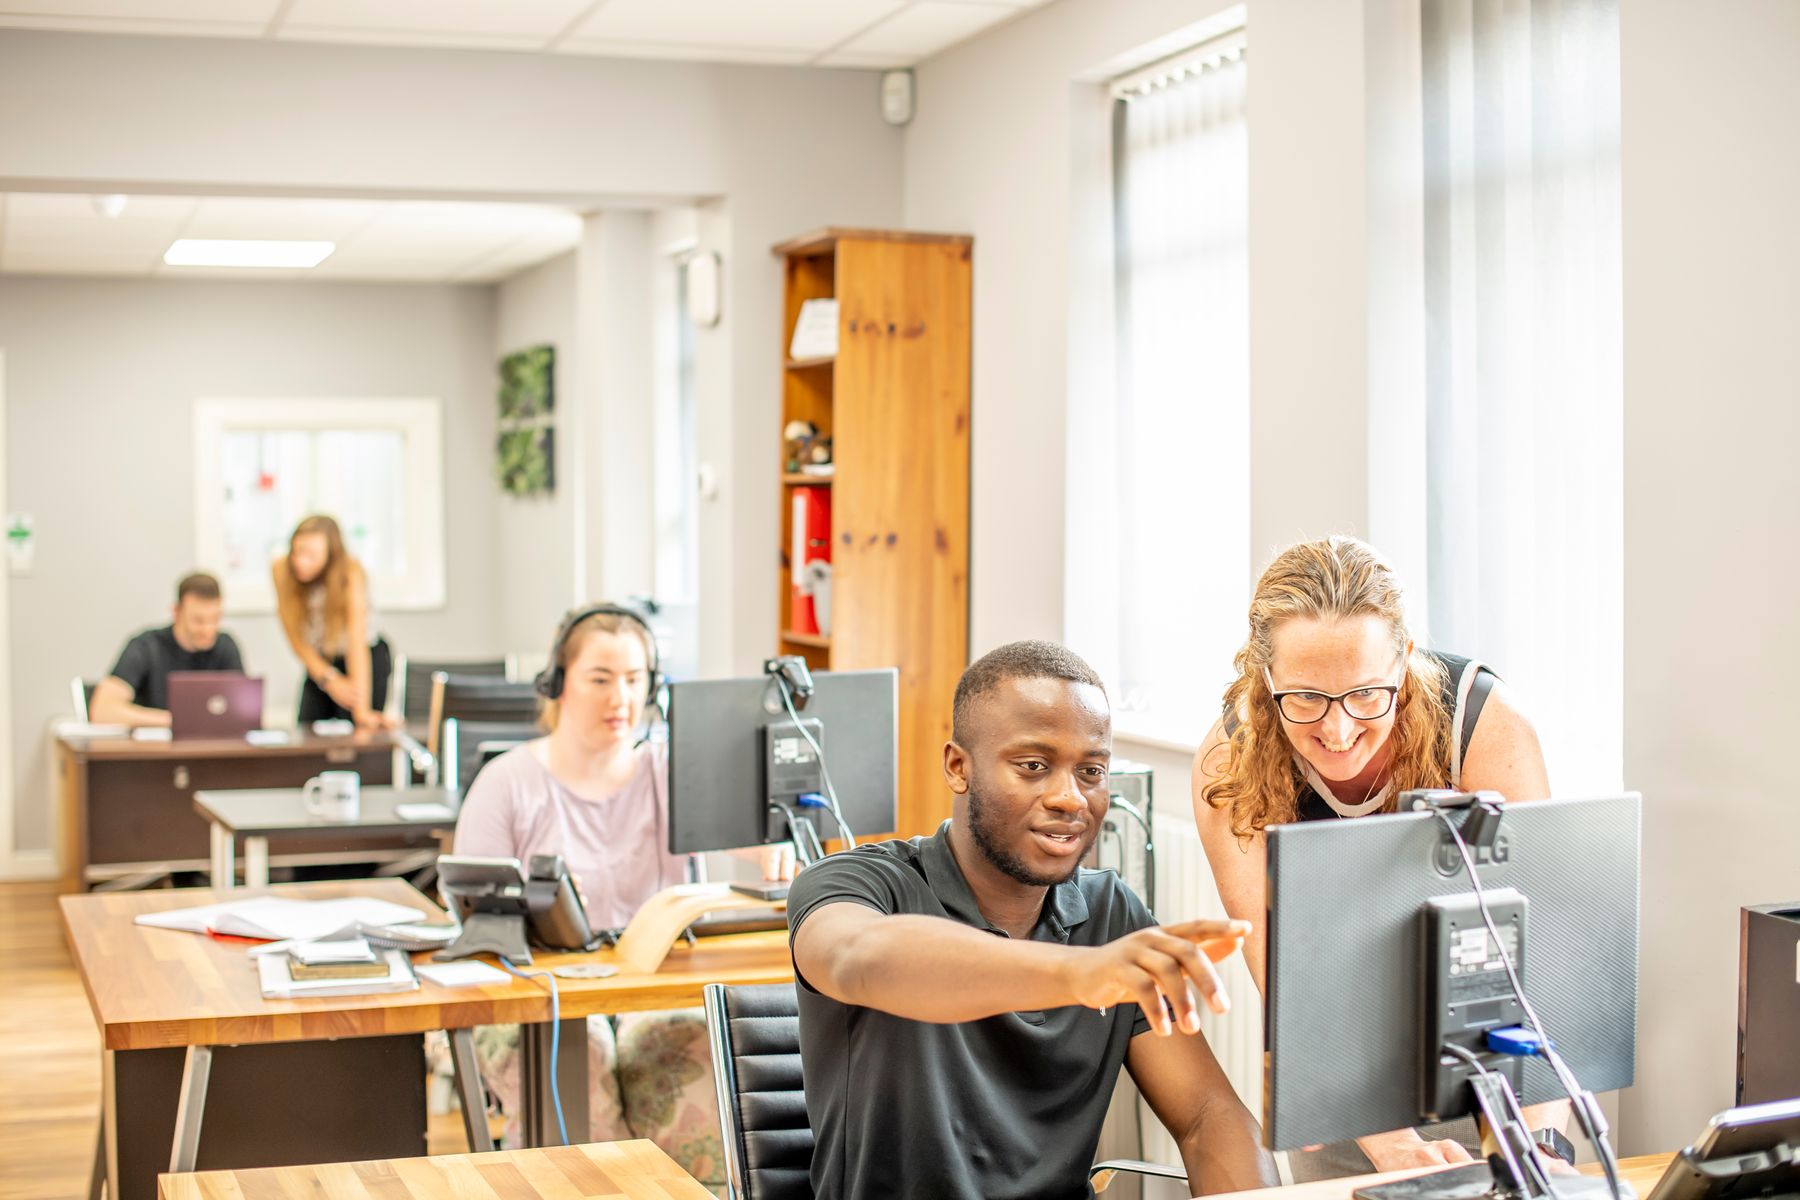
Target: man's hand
(1404,1149)
(778,863)
(1166,964)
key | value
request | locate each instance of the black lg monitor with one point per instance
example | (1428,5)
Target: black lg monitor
(1387,1002)
(750,757)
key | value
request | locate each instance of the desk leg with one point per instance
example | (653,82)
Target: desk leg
(256,862)
(469,1091)
(224,854)
(571,1067)
(97,1177)
(190,1108)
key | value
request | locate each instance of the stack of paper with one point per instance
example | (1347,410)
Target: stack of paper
(275,919)
(278,982)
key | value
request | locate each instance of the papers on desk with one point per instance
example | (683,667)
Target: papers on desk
(424,812)
(275,919)
(268,737)
(345,950)
(88,729)
(462,974)
(279,984)
(152,733)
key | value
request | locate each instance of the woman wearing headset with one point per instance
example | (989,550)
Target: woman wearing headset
(594,791)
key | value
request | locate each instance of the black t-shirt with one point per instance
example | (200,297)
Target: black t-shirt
(148,658)
(1009,1106)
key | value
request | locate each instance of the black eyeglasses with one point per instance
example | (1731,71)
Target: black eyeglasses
(1309,708)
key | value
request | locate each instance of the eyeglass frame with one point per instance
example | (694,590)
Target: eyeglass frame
(1392,689)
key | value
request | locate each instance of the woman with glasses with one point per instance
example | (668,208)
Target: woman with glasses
(1335,712)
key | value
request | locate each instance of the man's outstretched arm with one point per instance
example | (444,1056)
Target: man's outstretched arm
(933,969)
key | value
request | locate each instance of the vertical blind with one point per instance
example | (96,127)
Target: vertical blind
(1524,388)
(1182,475)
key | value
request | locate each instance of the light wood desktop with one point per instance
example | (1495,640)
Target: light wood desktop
(127,806)
(601,1171)
(1641,1173)
(165,992)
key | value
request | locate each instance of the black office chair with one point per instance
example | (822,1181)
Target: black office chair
(476,698)
(413,704)
(754,1032)
(471,745)
(755,1037)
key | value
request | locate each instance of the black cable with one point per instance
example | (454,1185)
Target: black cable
(824,771)
(1589,1126)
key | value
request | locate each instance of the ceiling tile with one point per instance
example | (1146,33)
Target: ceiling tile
(133,25)
(533,20)
(789,25)
(432,39)
(681,52)
(230,11)
(280,220)
(927,27)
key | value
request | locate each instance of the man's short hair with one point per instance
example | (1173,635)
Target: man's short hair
(199,585)
(1015,660)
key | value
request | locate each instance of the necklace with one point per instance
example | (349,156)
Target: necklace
(1372,799)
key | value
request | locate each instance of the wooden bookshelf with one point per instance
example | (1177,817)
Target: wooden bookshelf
(895,401)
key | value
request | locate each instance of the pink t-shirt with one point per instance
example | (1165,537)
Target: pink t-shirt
(616,847)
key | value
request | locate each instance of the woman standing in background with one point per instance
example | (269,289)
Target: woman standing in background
(322,594)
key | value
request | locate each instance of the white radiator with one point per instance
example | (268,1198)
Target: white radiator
(1184,891)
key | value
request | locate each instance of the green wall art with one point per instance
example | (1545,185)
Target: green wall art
(526,463)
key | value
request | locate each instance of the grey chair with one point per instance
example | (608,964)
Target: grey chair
(412,703)
(754,1034)
(471,745)
(476,698)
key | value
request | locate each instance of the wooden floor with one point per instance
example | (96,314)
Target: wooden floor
(50,1058)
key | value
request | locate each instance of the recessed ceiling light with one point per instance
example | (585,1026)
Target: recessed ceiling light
(238,252)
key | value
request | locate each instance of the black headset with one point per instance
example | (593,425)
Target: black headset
(549,682)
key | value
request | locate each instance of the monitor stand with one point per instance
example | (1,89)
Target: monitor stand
(1513,1170)
(499,934)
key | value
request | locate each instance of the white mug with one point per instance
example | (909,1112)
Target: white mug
(334,795)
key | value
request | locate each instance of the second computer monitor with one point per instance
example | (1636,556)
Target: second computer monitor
(719,786)
(1351,904)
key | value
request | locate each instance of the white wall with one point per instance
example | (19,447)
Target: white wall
(102,376)
(1711,183)
(533,555)
(774,151)
(1006,146)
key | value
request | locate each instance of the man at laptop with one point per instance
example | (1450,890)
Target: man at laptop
(137,691)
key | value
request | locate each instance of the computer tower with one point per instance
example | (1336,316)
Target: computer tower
(1768,1062)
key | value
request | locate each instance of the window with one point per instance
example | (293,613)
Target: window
(374,465)
(1181,179)
(677,519)
(1524,391)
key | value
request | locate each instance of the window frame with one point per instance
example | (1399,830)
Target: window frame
(419,421)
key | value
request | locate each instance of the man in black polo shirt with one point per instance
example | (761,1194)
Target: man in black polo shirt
(967,999)
(137,691)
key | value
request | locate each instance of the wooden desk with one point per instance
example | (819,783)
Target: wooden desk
(127,806)
(260,814)
(158,994)
(1641,1173)
(601,1171)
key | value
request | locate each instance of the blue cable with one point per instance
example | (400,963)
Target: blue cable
(562,1127)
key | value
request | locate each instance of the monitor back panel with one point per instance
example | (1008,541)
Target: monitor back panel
(1342,1008)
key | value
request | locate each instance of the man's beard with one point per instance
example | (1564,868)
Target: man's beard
(987,841)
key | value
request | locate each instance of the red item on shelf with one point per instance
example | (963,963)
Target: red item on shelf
(811,541)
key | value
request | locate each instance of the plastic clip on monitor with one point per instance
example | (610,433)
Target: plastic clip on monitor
(1492,954)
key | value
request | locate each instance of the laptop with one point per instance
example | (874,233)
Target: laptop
(214,704)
